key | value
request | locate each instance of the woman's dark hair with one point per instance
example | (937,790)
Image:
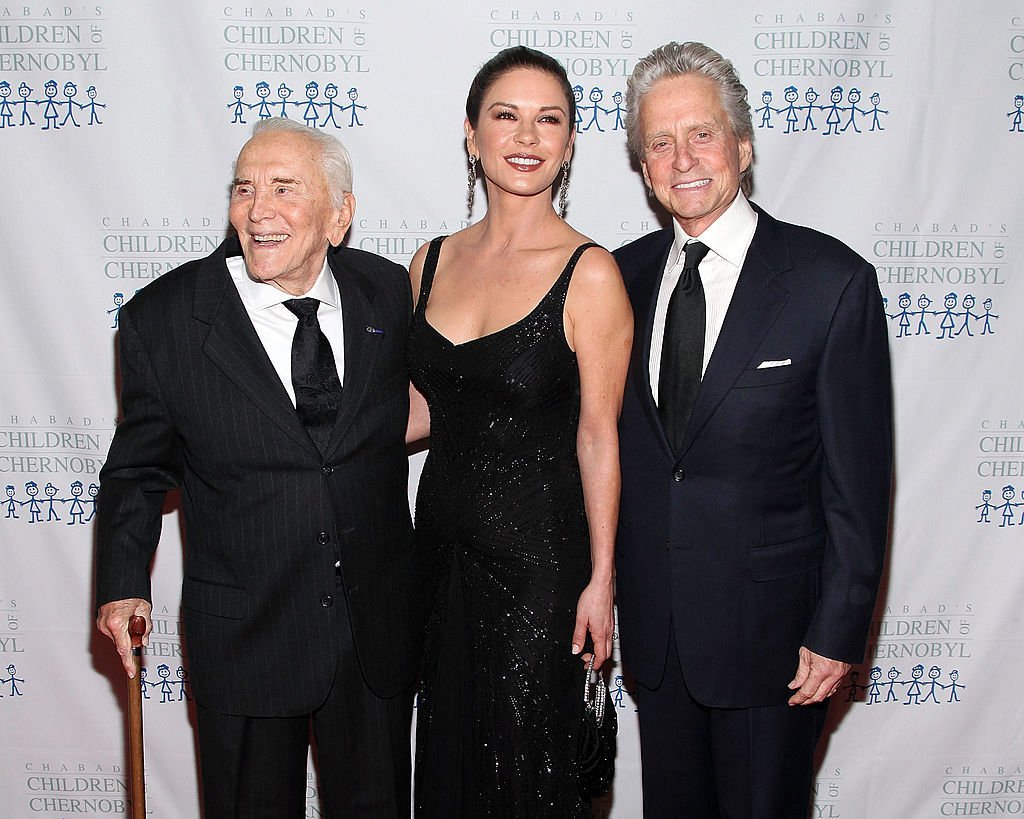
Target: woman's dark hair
(510,59)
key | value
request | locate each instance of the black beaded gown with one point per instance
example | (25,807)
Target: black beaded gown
(501,504)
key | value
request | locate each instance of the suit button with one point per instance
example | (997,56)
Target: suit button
(678,475)
(326,601)
(323,538)
(327,470)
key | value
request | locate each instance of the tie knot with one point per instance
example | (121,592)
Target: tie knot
(305,309)
(695,253)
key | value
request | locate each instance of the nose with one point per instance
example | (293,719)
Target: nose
(526,133)
(261,206)
(683,159)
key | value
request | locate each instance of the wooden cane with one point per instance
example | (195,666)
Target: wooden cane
(136,628)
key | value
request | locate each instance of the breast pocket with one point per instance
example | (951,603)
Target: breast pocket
(771,371)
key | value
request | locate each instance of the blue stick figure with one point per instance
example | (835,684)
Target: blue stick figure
(92,105)
(985,507)
(954,675)
(35,508)
(331,93)
(791,96)
(283,92)
(853,98)
(812,97)
(618,110)
(933,684)
(596,95)
(183,686)
(51,492)
(13,680)
(70,92)
(25,92)
(1007,506)
(93,490)
(577,94)
(143,684)
(893,675)
(312,92)
(914,686)
(1015,123)
(11,502)
(354,107)
(874,688)
(986,326)
(853,687)
(165,685)
(766,110)
(116,309)
(833,117)
(50,111)
(239,107)
(923,303)
(874,110)
(948,322)
(6,112)
(967,304)
(263,107)
(903,315)
(77,507)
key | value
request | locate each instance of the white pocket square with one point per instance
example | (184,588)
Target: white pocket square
(764,365)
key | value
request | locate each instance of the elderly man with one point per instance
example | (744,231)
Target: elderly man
(268,382)
(756,454)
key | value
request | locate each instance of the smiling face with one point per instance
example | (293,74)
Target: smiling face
(690,156)
(282,211)
(523,132)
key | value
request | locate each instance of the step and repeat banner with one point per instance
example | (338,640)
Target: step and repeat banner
(897,126)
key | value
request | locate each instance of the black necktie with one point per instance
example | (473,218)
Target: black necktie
(314,374)
(682,352)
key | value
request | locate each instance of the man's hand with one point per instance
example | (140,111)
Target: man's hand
(817,678)
(112,620)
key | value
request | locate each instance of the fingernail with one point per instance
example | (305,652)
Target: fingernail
(575,649)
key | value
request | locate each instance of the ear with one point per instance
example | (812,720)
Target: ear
(470,133)
(344,215)
(746,154)
(567,156)
(647,178)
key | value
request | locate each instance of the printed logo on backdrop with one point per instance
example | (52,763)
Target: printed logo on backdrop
(398,238)
(917,655)
(999,504)
(941,281)
(49,468)
(826,792)
(65,787)
(993,787)
(1015,52)
(830,71)
(321,52)
(12,649)
(165,672)
(594,45)
(48,55)
(134,249)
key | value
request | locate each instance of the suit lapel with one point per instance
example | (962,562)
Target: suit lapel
(234,347)
(645,297)
(756,303)
(363,339)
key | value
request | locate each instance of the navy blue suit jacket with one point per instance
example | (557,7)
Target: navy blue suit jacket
(767,531)
(266,515)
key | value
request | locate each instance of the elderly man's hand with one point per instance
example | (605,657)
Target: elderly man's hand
(817,678)
(112,620)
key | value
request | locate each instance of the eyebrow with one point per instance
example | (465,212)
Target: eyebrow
(277,180)
(516,107)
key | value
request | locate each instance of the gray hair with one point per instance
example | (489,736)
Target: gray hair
(679,59)
(334,158)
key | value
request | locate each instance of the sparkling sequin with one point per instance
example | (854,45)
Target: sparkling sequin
(500,501)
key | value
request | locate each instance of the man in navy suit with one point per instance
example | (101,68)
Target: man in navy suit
(756,459)
(268,381)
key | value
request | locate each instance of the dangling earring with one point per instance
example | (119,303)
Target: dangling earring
(471,183)
(563,190)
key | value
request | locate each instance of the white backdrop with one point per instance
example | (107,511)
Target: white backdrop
(118,124)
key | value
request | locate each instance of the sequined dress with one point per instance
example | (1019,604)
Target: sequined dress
(500,501)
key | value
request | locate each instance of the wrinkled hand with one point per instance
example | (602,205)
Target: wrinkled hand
(817,678)
(112,620)
(594,614)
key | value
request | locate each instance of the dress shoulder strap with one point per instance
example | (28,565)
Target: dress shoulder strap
(561,287)
(427,275)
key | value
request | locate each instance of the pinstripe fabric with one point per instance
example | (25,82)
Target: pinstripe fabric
(266,517)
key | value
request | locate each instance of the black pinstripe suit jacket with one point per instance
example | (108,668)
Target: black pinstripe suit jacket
(266,516)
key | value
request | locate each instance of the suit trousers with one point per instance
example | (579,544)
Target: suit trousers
(255,767)
(701,762)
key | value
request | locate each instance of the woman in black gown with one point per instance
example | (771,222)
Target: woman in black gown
(519,345)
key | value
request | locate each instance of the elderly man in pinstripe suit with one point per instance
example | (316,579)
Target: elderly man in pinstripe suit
(268,382)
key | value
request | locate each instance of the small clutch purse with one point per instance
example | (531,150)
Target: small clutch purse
(596,752)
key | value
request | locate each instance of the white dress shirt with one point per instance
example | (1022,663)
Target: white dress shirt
(728,239)
(275,324)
